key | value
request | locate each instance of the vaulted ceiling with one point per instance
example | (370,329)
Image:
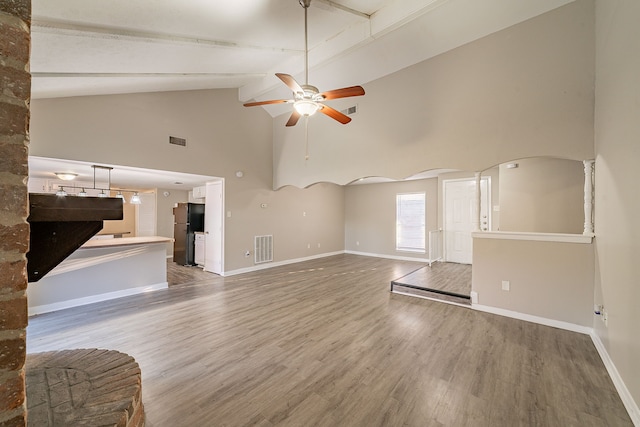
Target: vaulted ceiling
(92,47)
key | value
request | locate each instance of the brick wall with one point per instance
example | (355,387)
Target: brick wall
(15,89)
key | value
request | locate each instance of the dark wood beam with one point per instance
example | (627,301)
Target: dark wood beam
(60,225)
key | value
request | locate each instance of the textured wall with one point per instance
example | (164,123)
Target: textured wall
(15,92)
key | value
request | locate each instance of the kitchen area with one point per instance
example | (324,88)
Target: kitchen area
(166,223)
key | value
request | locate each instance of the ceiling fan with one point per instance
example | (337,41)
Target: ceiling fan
(307,100)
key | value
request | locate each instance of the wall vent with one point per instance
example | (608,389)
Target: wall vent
(349,111)
(263,249)
(177,141)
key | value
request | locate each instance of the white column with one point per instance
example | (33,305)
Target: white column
(476,219)
(588,196)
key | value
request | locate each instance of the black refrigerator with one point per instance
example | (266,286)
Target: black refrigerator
(187,219)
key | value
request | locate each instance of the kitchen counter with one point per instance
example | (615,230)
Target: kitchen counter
(125,241)
(100,270)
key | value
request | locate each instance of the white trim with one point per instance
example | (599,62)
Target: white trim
(46,308)
(277,264)
(538,237)
(534,319)
(625,395)
(396,257)
(430,298)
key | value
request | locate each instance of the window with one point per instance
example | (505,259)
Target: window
(410,222)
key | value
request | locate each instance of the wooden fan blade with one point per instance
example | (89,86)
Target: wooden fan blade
(273,101)
(295,116)
(334,114)
(290,82)
(345,92)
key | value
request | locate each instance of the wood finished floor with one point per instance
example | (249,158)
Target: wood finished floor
(324,343)
(446,277)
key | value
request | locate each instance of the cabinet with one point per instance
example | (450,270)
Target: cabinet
(199,249)
(199,192)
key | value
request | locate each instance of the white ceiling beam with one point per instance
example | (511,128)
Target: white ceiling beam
(109,33)
(344,8)
(359,34)
(397,14)
(76,75)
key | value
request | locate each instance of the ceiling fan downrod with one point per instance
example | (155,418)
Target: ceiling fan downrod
(305,4)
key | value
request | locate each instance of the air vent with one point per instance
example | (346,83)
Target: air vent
(177,141)
(263,249)
(349,111)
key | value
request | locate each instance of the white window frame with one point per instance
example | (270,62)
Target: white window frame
(419,236)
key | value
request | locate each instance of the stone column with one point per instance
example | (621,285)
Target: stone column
(15,92)
(588,196)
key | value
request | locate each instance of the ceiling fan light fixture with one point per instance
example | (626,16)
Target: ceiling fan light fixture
(306,107)
(307,100)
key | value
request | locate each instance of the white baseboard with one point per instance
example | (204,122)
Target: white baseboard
(630,405)
(534,319)
(621,387)
(46,308)
(397,257)
(267,265)
(264,266)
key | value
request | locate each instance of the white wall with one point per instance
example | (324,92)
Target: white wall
(617,145)
(370,216)
(222,137)
(542,195)
(100,273)
(549,280)
(522,92)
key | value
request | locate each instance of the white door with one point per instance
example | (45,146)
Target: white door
(459,214)
(214,227)
(146,221)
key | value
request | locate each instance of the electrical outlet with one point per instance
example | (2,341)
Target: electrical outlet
(318,245)
(506,285)
(308,245)
(605,317)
